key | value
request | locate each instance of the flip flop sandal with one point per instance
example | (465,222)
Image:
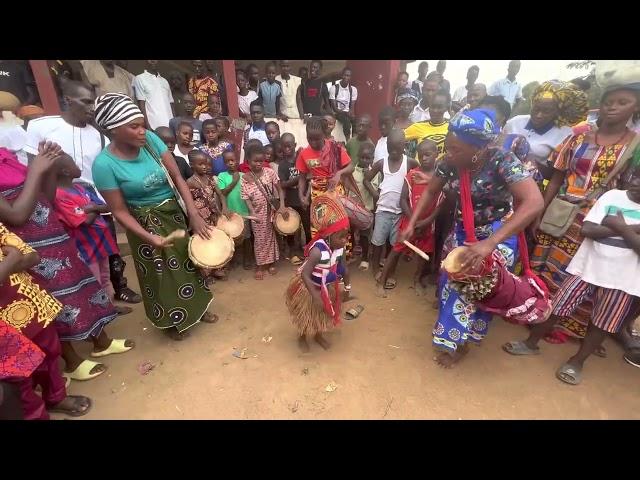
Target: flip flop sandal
(390,284)
(128,295)
(123,310)
(75,412)
(259,275)
(364,266)
(296,260)
(117,346)
(568,374)
(82,372)
(353,313)
(519,348)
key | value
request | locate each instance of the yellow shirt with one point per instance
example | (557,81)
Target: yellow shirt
(435,132)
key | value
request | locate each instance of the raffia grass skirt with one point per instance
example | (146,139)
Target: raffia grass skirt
(306,315)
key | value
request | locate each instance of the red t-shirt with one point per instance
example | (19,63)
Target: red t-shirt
(309,161)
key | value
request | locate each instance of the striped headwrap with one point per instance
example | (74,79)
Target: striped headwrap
(114,110)
(572,102)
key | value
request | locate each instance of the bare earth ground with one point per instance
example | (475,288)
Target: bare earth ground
(381,365)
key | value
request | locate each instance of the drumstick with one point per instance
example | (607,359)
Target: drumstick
(417,250)
(176,234)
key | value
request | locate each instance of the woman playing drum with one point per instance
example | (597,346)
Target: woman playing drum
(501,189)
(131,174)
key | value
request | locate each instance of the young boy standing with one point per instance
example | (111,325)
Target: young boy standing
(257,128)
(270,92)
(363,126)
(604,270)
(386,119)
(415,184)
(393,170)
(188,106)
(363,165)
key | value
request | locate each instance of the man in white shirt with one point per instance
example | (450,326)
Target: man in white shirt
(72,130)
(421,111)
(289,84)
(460,95)
(154,97)
(423,69)
(342,97)
(508,87)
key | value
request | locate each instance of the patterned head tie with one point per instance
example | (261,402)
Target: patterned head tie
(475,127)
(114,110)
(407,93)
(572,102)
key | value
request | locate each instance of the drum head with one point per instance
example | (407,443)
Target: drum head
(233,226)
(213,253)
(452,263)
(290,226)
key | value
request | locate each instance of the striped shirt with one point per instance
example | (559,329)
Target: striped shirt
(327,260)
(94,241)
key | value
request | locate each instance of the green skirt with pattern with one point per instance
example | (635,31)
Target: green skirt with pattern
(173,291)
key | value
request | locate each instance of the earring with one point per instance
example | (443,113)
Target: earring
(474,160)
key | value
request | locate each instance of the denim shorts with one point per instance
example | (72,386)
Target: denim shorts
(385,228)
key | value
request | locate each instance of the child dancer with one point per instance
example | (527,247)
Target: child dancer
(313,296)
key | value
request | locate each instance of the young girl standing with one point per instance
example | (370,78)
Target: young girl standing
(313,296)
(209,201)
(259,187)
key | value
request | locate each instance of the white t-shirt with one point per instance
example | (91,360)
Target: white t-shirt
(178,153)
(83,144)
(541,145)
(245,102)
(510,91)
(460,94)
(381,149)
(609,262)
(342,96)
(14,138)
(288,104)
(420,114)
(154,90)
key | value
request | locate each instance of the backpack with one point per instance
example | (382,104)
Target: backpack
(337,86)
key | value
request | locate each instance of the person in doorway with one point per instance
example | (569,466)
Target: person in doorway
(74,132)
(343,97)
(313,95)
(270,93)
(289,85)
(508,87)
(393,170)
(188,107)
(107,77)
(202,86)
(246,96)
(154,97)
(423,69)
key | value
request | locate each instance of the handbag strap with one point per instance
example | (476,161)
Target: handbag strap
(617,168)
(172,185)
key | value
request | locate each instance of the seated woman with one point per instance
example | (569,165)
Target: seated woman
(501,189)
(142,185)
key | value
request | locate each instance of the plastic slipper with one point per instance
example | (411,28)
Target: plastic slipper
(353,313)
(117,346)
(82,372)
(519,348)
(364,266)
(73,413)
(390,284)
(569,374)
(296,260)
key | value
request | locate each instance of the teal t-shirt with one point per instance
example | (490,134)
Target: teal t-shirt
(141,180)
(234,200)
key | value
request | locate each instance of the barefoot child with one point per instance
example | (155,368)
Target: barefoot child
(313,296)
(230,186)
(415,183)
(208,200)
(361,238)
(79,210)
(260,188)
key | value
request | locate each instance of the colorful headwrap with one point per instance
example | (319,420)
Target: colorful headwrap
(405,93)
(328,216)
(114,110)
(572,102)
(476,127)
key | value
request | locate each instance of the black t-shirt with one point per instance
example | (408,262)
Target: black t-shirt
(15,75)
(312,92)
(183,166)
(287,170)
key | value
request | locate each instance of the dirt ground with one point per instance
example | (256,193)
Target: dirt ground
(381,365)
